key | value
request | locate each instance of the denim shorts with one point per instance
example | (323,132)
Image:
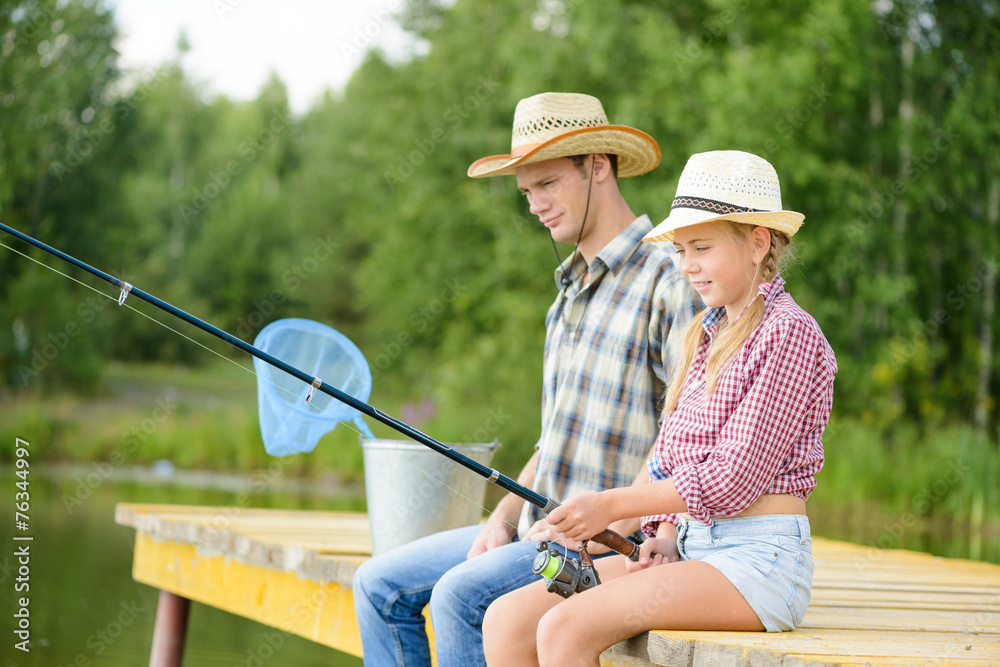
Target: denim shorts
(768,558)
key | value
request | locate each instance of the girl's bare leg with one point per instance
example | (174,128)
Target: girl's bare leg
(689,595)
(511,623)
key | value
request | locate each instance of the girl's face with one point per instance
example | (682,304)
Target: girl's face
(722,267)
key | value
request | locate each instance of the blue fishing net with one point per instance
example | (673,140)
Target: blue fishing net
(288,424)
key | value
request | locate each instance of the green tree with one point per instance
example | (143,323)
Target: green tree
(58,167)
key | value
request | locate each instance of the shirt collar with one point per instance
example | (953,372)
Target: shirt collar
(770,291)
(614,256)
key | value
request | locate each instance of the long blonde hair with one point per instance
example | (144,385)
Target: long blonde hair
(732,335)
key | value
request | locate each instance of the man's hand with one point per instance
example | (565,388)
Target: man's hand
(501,527)
(495,533)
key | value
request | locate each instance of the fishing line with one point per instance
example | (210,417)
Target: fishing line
(238,365)
(135,310)
(607,537)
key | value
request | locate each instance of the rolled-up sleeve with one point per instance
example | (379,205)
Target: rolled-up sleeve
(758,440)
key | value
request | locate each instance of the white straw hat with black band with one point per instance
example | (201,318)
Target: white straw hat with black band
(554,125)
(727,185)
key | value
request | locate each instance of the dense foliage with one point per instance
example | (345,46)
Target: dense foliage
(880,117)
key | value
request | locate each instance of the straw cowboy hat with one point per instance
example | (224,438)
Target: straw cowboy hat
(553,125)
(727,185)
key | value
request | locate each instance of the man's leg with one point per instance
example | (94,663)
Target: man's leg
(460,598)
(391,590)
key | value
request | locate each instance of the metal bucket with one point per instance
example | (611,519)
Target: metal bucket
(413,491)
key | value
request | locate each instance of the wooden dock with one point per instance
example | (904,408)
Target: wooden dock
(292,570)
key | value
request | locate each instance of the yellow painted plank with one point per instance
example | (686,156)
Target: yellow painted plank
(900,566)
(321,612)
(165,509)
(869,606)
(922,620)
(347,525)
(623,661)
(828,646)
(331,532)
(349,559)
(893,661)
(234,517)
(955,585)
(890,599)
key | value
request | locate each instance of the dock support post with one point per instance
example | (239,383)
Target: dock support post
(170,630)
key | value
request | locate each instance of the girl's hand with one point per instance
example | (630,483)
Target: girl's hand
(654,551)
(582,517)
(542,531)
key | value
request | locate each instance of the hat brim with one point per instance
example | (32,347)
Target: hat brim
(637,152)
(782,221)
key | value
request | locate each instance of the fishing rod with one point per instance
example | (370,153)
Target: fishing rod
(608,538)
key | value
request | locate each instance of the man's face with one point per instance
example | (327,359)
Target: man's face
(557,193)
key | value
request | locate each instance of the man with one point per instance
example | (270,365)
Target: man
(621,306)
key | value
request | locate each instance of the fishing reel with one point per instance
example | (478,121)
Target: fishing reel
(565,575)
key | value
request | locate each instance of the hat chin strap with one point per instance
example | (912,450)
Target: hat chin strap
(566,282)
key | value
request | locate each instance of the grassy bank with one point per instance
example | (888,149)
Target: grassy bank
(935,490)
(879,483)
(194,418)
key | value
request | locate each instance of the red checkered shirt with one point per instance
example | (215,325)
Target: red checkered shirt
(761,429)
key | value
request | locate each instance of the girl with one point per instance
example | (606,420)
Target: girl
(735,459)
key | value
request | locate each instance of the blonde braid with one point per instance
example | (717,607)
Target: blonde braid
(769,264)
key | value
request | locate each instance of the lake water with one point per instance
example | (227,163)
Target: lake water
(86,610)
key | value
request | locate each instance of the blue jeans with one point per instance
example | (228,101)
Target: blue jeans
(391,590)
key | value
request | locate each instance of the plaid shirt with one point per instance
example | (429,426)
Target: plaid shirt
(761,429)
(604,374)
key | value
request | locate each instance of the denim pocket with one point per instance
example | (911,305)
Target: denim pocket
(760,553)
